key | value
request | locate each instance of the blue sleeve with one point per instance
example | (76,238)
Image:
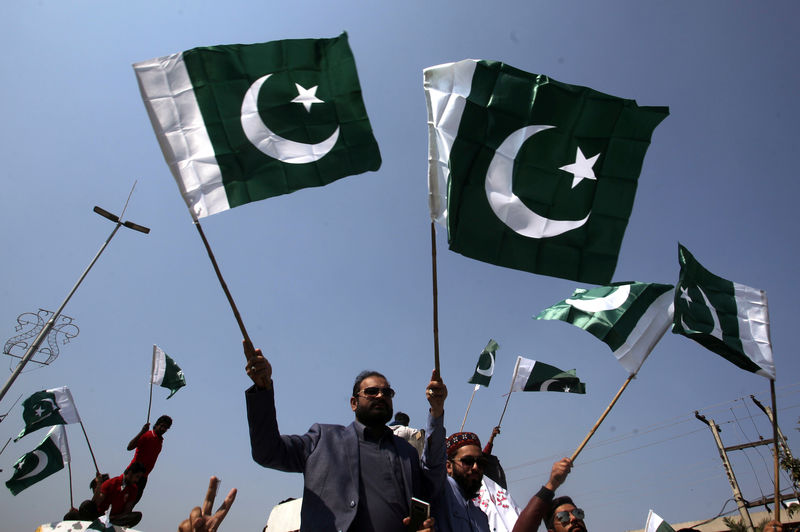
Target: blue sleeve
(434,457)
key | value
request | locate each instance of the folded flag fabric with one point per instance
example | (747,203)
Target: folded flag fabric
(166,373)
(728,318)
(531,173)
(47,458)
(656,524)
(629,317)
(533,376)
(243,122)
(485,367)
(47,408)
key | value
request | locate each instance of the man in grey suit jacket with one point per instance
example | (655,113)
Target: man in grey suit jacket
(358,478)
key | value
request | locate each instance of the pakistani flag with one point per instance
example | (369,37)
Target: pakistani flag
(240,123)
(47,408)
(533,376)
(727,318)
(485,367)
(656,524)
(166,372)
(530,173)
(49,457)
(630,317)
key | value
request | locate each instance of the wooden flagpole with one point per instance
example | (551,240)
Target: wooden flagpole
(602,417)
(224,284)
(152,370)
(96,469)
(475,389)
(435,303)
(777,511)
(69,469)
(513,378)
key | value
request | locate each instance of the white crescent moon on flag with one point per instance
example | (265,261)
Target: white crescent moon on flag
(272,144)
(507,206)
(489,371)
(546,385)
(716,331)
(42,457)
(610,302)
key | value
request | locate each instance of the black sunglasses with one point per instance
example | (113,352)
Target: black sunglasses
(470,461)
(563,516)
(373,391)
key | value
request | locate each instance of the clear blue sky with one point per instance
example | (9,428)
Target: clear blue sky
(337,279)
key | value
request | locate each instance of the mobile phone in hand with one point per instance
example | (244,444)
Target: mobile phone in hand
(420,511)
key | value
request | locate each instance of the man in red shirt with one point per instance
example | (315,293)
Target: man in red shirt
(120,494)
(148,446)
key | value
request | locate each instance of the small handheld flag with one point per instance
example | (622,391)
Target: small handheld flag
(485,367)
(47,408)
(629,317)
(728,318)
(656,524)
(533,376)
(47,458)
(166,373)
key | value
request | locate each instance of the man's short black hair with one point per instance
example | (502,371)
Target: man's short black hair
(363,375)
(135,467)
(558,501)
(166,420)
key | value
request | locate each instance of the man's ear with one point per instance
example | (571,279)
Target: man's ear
(353,403)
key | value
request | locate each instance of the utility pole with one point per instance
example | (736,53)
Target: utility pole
(737,494)
(51,322)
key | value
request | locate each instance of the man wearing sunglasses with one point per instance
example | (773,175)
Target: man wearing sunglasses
(559,514)
(358,478)
(454,509)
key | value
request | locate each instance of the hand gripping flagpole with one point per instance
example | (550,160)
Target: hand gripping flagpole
(51,322)
(602,417)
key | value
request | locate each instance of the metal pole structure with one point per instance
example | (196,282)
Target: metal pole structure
(49,325)
(737,495)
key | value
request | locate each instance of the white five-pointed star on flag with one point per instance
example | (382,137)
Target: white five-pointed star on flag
(307,97)
(582,168)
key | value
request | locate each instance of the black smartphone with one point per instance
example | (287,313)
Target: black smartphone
(420,511)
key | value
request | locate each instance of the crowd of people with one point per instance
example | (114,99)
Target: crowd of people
(362,477)
(357,478)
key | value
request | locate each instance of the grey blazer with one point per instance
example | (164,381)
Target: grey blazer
(327,455)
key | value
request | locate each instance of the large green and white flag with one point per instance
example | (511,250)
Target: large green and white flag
(630,317)
(240,123)
(656,524)
(530,173)
(47,408)
(485,367)
(728,318)
(533,376)
(47,458)
(166,373)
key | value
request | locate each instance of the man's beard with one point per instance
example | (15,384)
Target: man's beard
(469,485)
(374,416)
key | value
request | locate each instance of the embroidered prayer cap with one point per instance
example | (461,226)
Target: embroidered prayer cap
(460,439)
